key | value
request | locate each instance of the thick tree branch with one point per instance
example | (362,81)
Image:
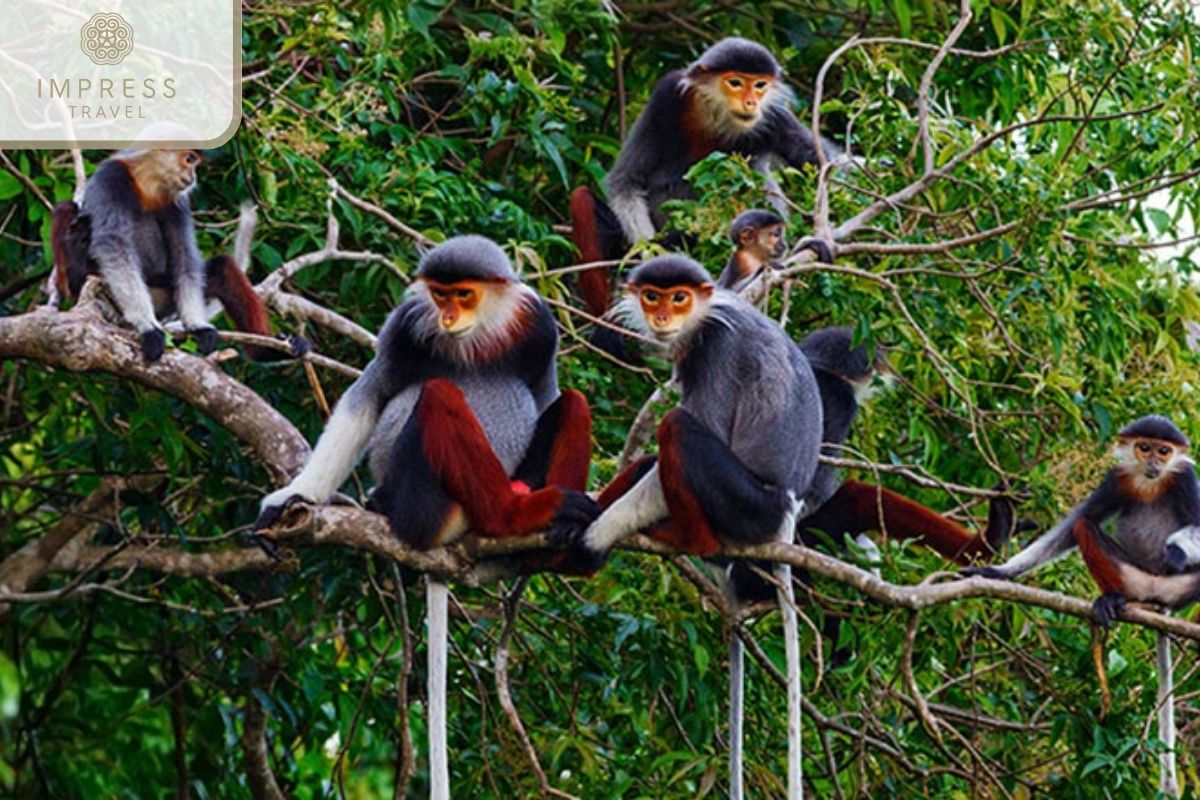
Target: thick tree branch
(80,340)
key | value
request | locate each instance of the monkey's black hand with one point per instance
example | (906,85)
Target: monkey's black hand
(206,339)
(569,529)
(1175,559)
(268,546)
(299,345)
(983,572)
(154,342)
(820,248)
(270,515)
(1107,608)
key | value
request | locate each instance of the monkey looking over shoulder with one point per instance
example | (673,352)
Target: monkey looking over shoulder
(134,228)
(731,99)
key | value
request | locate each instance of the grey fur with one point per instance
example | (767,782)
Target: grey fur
(135,250)
(504,406)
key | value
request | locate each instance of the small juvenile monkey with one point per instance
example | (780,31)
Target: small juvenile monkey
(134,229)
(734,458)
(732,99)
(759,241)
(467,430)
(1153,493)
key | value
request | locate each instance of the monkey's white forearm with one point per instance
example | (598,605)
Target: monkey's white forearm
(123,277)
(1051,545)
(640,506)
(634,215)
(337,451)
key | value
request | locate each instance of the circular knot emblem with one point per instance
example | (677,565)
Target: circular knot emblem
(106,39)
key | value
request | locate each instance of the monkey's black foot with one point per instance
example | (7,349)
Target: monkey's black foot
(568,530)
(573,517)
(269,517)
(206,339)
(821,248)
(1107,608)
(983,572)
(154,342)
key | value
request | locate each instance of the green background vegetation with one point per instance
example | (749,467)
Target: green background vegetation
(1020,358)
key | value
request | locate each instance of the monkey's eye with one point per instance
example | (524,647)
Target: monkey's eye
(650,297)
(1143,447)
(734,83)
(439,295)
(191,159)
(760,86)
(679,298)
(464,294)
(1164,451)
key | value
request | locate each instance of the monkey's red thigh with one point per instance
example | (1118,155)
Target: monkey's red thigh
(1098,553)
(460,456)
(561,451)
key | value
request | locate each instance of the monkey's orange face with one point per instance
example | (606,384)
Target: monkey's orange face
(181,168)
(668,310)
(744,93)
(457,304)
(1154,456)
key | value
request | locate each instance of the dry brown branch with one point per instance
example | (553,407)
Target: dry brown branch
(80,340)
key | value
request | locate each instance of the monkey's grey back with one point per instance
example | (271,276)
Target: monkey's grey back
(752,386)
(503,405)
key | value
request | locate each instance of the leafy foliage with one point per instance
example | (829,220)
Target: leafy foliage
(1019,355)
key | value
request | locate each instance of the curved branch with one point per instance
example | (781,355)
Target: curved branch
(80,340)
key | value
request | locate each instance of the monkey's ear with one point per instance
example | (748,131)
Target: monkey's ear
(748,235)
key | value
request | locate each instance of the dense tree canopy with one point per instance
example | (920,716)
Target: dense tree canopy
(1016,233)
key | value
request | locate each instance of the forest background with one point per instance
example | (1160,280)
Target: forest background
(1020,234)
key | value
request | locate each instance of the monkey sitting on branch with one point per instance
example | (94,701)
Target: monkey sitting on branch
(134,228)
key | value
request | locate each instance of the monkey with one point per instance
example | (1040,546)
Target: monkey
(133,227)
(735,457)
(731,99)
(1152,492)
(759,242)
(839,507)
(465,426)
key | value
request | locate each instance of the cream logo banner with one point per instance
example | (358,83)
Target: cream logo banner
(120,73)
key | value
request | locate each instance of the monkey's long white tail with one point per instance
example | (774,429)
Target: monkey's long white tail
(1168,780)
(791,647)
(737,680)
(436,602)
